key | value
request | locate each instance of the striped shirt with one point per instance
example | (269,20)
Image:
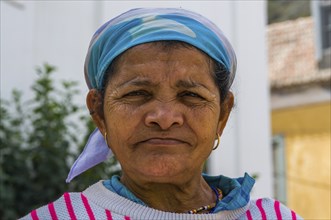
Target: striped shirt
(97,202)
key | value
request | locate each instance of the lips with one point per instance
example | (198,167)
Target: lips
(161,139)
(164,141)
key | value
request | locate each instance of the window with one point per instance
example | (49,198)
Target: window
(322,21)
(325,9)
(279,168)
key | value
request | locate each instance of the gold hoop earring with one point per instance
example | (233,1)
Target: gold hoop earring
(218,141)
(106,138)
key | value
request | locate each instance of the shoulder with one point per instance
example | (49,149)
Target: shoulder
(266,208)
(62,208)
(74,206)
(69,206)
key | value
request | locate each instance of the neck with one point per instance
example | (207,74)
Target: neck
(178,198)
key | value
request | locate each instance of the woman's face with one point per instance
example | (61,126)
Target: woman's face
(162,113)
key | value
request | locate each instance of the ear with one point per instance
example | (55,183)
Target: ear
(94,104)
(225,111)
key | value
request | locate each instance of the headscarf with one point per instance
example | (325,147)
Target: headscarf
(139,26)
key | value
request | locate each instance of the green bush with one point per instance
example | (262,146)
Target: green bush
(38,143)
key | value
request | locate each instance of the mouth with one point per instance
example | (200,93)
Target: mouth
(164,141)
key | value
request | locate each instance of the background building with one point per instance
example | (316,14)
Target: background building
(300,77)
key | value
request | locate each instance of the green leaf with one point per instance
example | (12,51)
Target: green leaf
(39,139)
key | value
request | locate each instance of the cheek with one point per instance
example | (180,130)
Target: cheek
(204,126)
(118,115)
(204,119)
(122,122)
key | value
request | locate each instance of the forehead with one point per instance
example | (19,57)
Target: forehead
(174,52)
(156,64)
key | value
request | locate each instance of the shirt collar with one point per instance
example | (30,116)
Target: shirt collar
(236,191)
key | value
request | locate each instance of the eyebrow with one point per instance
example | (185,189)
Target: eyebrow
(138,82)
(186,84)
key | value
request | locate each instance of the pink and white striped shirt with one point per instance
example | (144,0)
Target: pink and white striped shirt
(97,202)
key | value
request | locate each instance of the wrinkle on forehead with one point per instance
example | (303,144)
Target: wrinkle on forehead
(171,60)
(142,81)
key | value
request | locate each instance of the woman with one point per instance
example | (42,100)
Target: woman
(159,94)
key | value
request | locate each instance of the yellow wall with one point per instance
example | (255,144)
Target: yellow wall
(306,130)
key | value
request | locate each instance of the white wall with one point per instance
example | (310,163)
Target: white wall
(33,32)
(246,145)
(43,31)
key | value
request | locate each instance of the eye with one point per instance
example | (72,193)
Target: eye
(137,93)
(190,94)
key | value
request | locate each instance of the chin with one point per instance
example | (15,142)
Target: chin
(161,168)
(162,174)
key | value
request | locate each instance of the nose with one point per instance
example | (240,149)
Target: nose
(164,115)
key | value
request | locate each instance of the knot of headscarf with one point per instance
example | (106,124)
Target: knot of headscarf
(139,26)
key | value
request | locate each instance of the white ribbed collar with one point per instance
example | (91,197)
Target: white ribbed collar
(106,199)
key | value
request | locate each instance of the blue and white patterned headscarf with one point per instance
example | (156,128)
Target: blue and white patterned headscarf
(139,26)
